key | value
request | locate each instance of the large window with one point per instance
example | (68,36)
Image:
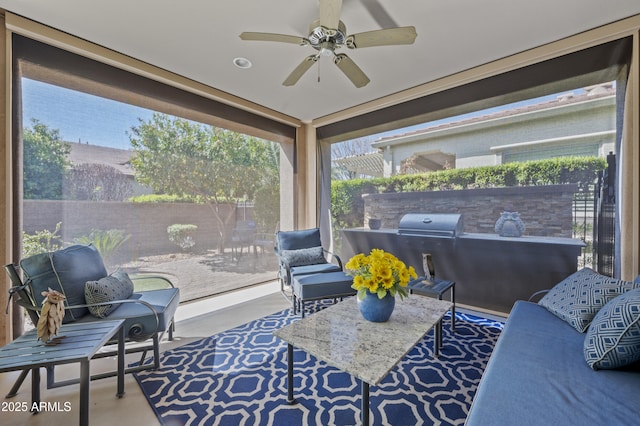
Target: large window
(506,200)
(470,169)
(159,184)
(573,131)
(533,140)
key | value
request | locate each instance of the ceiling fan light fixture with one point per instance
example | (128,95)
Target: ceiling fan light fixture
(242,63)
(326,48)
(326,52)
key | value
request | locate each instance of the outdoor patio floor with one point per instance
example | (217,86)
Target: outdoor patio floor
(200,275)
(194,321)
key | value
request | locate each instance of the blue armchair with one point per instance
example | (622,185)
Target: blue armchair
(301,253)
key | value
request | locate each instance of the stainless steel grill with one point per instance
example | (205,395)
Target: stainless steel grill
(434,233)
(434,225)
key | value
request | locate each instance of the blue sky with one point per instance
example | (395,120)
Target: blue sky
(85,118)
(79,116)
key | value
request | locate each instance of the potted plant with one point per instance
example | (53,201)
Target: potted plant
(378,278)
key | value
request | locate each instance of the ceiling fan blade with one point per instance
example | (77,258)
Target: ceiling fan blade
(379,13)
(282,38)
(351,70)
(386,37)
(300,70)
(330,13)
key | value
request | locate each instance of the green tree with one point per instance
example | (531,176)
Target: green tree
(178,157)
(45,162)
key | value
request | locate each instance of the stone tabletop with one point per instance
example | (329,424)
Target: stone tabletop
(341,337)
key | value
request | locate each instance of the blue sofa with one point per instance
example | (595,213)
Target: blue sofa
(538,375)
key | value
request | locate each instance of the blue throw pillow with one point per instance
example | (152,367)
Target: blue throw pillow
(117,286)
(303,257)
(66,271)
(579,297)
(613,339)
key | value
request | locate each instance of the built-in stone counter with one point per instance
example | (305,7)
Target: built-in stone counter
(491,272)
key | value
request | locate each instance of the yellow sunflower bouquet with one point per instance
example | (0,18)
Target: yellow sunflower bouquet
(379,272)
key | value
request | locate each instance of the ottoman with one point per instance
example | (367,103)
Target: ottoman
(324,285)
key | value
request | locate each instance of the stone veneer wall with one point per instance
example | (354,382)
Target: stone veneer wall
(545,210)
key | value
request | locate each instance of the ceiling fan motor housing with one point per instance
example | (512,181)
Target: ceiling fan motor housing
(321,37)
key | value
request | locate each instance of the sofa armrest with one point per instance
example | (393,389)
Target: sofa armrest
(536,294)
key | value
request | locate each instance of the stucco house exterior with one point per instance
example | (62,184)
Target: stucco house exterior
(580,123)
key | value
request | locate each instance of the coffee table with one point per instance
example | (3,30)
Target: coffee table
(80,343)
(341,337)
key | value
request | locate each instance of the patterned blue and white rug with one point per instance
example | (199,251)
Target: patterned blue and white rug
(239,377)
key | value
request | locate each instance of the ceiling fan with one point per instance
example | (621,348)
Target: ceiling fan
(328,34)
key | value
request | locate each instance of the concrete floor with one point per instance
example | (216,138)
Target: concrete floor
(194,321)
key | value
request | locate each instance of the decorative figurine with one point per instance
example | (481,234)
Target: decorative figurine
(427,266)
(510,225)
(50,317)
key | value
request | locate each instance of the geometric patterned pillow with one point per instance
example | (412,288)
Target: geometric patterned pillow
(613,339)
(579,297)
(123,277)
(302,257)
(117,286)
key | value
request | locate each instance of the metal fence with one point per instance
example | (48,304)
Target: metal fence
(594,208)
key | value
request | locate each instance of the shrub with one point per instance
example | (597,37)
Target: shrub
(166,198)
(347,205)
(105,241)
(41,242)
(182,235)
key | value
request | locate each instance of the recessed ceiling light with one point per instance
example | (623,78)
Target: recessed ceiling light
(243,63)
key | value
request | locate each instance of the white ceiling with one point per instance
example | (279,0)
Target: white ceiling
(199,39)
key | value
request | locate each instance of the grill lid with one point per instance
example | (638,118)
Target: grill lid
(443,225)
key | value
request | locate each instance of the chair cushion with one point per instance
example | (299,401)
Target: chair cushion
(323,285)
(537,376)
(140,322)
(579,297)
(66,271)
(303,257)
(314,269)
(613,339)
(294,240)
(117,286)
